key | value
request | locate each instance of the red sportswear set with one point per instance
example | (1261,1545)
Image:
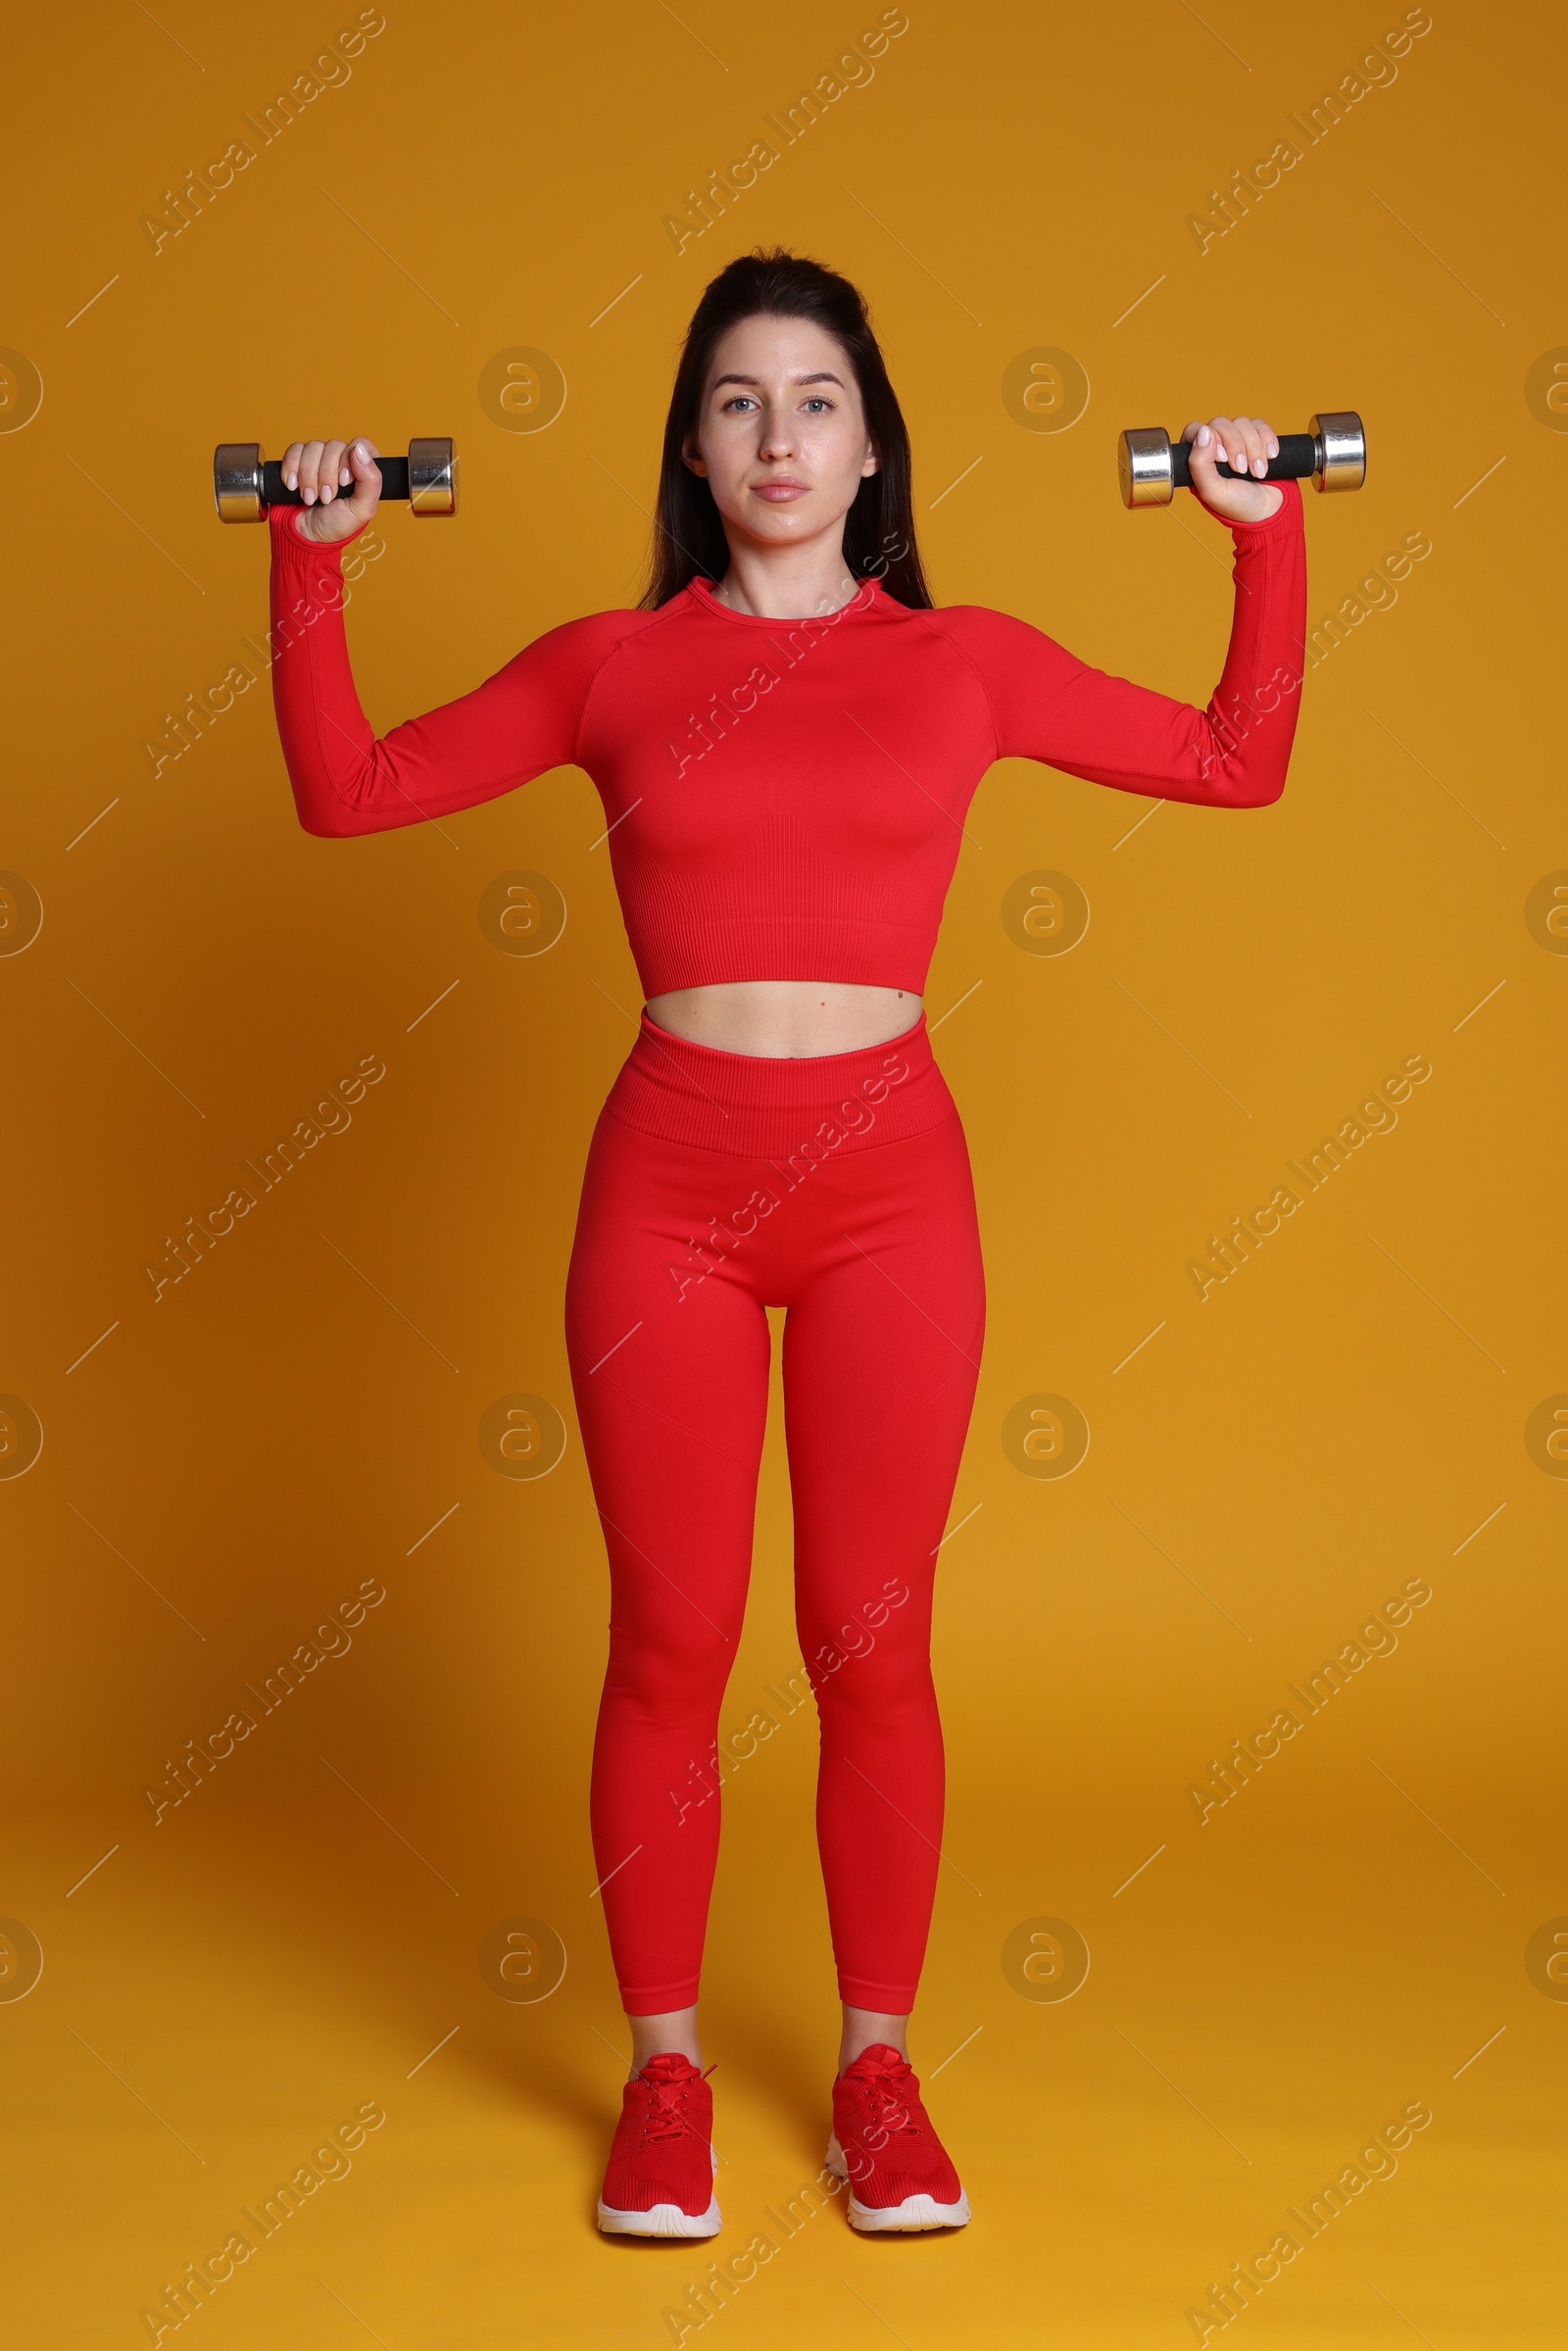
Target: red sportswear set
(785,800)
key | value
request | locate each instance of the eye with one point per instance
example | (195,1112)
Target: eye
(736,399)
(819,400)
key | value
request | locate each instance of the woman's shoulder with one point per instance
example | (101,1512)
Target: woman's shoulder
(588,641)
(980,627)
(602,628)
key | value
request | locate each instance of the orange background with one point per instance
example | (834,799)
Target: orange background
(1265,1468)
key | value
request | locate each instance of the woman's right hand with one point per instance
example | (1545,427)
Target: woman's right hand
(340,483)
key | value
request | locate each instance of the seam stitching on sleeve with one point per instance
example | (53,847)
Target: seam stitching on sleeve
(947,637)
(638,621)
(1233,764)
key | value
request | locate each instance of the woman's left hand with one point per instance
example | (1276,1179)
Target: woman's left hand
(1241,442)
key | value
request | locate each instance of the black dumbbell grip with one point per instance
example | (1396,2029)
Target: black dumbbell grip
(1297,461)
(394,482)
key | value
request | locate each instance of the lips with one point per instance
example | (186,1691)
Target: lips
(781,490)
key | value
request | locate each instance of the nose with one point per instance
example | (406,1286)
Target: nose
(778,429)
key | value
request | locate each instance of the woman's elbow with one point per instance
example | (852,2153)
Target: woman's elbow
(1228,784)
(328,823)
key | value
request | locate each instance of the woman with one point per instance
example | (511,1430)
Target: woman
(784,734)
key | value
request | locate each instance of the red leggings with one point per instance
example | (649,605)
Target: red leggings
(837,1187)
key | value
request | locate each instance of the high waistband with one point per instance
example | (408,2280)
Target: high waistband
(761,1106)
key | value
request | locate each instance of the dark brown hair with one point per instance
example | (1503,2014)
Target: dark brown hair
(879,528)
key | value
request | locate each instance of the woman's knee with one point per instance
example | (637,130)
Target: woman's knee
(891,1680)
(669,1676)
(892,1625)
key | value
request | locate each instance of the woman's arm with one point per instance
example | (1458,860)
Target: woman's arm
(521,721)
(1046,704)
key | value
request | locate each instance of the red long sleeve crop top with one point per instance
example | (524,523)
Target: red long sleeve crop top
(784,798)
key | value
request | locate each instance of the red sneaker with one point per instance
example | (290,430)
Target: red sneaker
(882,2142)
(660,2178)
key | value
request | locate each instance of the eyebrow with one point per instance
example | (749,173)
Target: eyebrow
(822,378)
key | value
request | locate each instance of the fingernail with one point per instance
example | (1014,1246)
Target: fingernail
(310,497)
(291,481)
(361,450)
(345,476)
(327,491)
(1202,436)
(1261,465)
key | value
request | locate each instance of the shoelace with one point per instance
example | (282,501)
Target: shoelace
(665,2115)
(889,2105)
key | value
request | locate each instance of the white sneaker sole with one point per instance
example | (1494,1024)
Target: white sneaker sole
(662,2220)
(915,2212)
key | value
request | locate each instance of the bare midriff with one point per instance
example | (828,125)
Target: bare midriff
(787,1020)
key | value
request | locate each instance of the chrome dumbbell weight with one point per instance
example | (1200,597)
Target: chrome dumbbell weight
(1151,466)
(245,483)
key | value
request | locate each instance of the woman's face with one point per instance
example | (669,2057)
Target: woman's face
(781,436)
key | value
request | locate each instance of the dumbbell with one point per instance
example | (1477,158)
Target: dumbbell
(245,483)
(1151,466)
